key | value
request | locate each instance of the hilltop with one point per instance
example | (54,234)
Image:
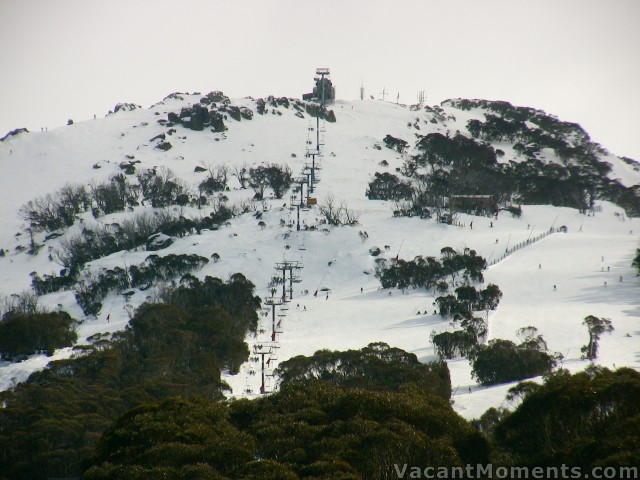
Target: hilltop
(531,163)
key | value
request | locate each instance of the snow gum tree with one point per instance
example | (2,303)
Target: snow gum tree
(596,327)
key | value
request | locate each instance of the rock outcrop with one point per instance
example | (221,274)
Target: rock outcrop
(13,133)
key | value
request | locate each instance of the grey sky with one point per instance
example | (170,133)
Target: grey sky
(578,59)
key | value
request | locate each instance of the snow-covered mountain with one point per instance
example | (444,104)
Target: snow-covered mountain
(549,280)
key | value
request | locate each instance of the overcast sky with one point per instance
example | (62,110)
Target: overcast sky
(577,59)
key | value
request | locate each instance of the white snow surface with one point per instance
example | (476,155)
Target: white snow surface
(590,265)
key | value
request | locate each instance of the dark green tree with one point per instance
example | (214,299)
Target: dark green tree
(162,187)
(587,419)
(376,366)
(50,423)
(596,327)
(259,180)
(26,334)
(315,430)
(386,186)
(168,439)
(502,361)
(454,344)
(279,179)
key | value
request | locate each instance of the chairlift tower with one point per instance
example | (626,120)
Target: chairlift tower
(294,268)
(273,357)
(323,86)
(323,94)
(313,168)
(308,170)
(273,302)
(262,350)
(293,204)
(307,174)
(301,180)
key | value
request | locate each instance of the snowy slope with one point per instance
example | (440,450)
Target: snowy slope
(596,249)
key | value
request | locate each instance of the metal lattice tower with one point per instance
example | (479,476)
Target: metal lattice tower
(302,181)
(313,167)
(273,302)
(321,73)
(262,350)
(294,267)
(293,200)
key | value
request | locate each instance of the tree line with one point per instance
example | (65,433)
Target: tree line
(323,430)
(158,187)
(39,332)
(145,404)
(100,240)
(50,424)
(444,166)
(92,288)
(431,272)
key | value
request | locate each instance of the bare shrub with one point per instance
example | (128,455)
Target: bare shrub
(336,212)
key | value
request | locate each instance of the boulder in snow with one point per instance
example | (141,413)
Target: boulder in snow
(246,113)
(158,137)
(216,121)
(125,107)
(158,241)
(173,117)
(234,112)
